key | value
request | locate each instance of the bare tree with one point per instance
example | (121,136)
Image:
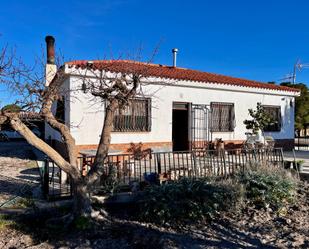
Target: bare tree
(29,84)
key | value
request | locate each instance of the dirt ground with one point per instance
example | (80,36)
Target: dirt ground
(19,174)
(249,228)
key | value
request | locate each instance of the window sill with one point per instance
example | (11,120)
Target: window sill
(131,131)
(222,131)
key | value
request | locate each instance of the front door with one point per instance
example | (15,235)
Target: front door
(180,126)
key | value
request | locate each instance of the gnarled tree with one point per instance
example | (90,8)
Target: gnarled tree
(38,92)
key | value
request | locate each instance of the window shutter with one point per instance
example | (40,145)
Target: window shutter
(215,117)
(233,120)
(149,115)
(222,117)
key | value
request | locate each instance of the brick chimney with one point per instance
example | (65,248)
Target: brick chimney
(50,68)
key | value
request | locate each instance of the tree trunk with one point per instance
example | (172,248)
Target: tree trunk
(82,203)
(81,199)
(41,145)
(98,167)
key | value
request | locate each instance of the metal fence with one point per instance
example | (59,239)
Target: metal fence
(302,143)
(55,183)
(162,166)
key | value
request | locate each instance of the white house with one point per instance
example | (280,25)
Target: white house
(179,109)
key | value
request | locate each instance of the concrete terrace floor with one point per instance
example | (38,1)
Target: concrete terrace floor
(298,155)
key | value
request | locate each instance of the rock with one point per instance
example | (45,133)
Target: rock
(269,210)
(299,241)
(26,240)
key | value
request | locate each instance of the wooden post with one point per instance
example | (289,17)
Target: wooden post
(159,163)
(45,185)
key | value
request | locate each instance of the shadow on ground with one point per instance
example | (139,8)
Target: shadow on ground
(128,234)
(13,187)
(30,174)
(16,149)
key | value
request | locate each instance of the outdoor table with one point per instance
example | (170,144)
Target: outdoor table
(89,155)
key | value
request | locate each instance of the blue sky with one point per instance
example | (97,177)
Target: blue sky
(258,40)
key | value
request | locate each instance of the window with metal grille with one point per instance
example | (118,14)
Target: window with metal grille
(275,113)
(222,116)
(136,116)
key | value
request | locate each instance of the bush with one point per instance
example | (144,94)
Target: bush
(108,183)
(187,200)
(82,223)
(5,221)
(267,186)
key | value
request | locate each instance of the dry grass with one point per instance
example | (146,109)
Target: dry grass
(5,222)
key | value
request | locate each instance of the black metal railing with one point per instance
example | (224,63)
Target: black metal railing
(302,143)
(56,183)
(162,166)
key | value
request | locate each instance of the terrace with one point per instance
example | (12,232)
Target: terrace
(159,167)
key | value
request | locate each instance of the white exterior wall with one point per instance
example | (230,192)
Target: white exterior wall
(49,131)
(87,117)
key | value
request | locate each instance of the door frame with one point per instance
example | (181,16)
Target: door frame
(186,106)
(190,108)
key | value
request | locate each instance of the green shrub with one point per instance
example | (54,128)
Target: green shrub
(82,223)
(267,186)
(187,200)
(5,222)
(108,183)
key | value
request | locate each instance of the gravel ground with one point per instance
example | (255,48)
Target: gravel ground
(250,228)
(19,174)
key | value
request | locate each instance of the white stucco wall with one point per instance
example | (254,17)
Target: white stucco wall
(49,131)
(86,115)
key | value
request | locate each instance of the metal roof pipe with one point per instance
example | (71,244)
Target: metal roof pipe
(174,51)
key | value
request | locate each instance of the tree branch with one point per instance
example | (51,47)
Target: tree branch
(32,139)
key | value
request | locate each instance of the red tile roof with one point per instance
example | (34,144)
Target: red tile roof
(161,71)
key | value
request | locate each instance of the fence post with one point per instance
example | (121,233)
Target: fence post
(46,178)
(71,186)
(159,163)
(197,172)
(282,157)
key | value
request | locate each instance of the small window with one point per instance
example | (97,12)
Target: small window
(136,116)
(60,110)
(222,117)
(275,113)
